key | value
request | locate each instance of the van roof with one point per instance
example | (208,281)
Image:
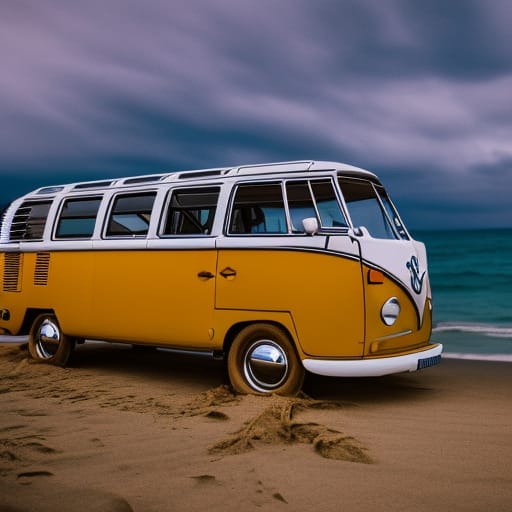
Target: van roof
(198,174)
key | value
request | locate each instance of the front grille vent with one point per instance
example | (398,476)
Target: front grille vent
(42,268)
(12,272)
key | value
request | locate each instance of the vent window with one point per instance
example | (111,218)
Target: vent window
(143,179)
(29,220)
(93,184)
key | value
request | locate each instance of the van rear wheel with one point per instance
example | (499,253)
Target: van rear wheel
(47,343)
(263,360)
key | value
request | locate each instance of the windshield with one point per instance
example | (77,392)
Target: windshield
(371,208)
(392,214)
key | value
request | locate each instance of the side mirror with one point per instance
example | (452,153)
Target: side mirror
(361,231)
(310,225)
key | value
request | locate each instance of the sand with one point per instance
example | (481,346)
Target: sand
(123,429)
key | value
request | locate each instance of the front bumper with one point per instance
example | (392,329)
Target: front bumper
(378,366)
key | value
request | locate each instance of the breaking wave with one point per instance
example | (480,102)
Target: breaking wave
(494,331)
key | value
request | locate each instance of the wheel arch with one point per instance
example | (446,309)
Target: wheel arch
(239,326)
(30,315)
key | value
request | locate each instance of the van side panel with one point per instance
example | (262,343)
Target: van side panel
(69,290)
(323,293)
(58,281)
(11,288)
(154,296)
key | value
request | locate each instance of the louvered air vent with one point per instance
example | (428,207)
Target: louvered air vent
(42,267)
(29,220)
(19,222)
(12,273)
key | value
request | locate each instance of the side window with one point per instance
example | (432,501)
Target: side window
(78,217)
(258,209)
(300,204)
(130,215)
(29,220)
(303,196)
(327,204)
(365,208)
(191,211)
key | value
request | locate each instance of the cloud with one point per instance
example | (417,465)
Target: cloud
(416,90)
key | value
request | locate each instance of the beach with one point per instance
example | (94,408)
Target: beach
(123,429)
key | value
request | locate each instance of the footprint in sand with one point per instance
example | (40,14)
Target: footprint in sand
(27,477)
(216,415)
(30,474)
(205,479)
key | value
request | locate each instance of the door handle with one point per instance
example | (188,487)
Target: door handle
(204,274)
(228,272)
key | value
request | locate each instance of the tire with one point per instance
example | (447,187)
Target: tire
(47,343)
(263,360)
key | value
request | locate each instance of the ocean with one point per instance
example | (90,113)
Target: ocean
(471,279)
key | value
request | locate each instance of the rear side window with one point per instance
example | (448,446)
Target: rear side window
(29,220)
(258,209)
(191,211)
(78,218)
(130,215)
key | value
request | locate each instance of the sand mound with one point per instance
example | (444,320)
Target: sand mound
(206,402)
(276,424)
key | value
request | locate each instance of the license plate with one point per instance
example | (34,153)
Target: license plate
(428,362)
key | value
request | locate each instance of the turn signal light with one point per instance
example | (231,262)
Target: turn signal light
(375,276)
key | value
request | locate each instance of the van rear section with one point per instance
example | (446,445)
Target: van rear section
(281,268)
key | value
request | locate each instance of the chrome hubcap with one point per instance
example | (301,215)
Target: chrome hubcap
(47,339)
(265,365)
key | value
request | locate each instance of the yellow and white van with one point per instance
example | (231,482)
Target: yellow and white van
(279,268)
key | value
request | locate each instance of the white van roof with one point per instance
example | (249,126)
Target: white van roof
(198,174)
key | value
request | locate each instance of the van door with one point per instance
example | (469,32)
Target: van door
(162,290)
(394,265)
(185,274)
(267,263)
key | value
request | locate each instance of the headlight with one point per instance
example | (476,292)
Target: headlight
(390,311)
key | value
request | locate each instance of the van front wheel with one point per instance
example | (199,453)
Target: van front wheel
(47,343)
(262,359)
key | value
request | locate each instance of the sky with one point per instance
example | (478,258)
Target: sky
(418,92)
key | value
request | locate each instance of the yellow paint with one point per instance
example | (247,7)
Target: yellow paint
(382,339)
(323,294)
(157,296)
(154,296)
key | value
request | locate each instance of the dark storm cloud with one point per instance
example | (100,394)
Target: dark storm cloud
(417,91)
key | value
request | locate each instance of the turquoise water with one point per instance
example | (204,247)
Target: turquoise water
(471,279)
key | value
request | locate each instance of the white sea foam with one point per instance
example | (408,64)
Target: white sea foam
(479,357)
(495,331)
